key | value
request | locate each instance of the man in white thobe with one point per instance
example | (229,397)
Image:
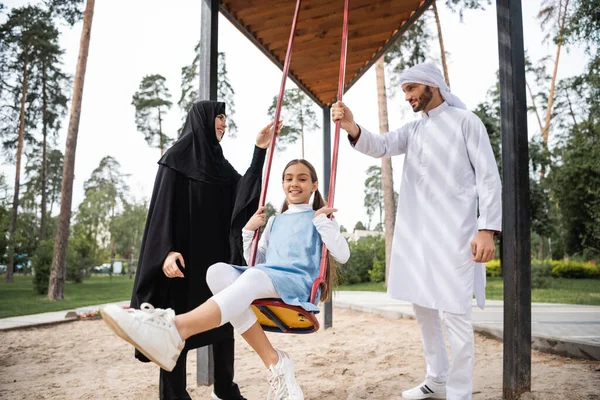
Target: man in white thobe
(440,243)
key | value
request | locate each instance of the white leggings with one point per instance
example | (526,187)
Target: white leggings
(234,292)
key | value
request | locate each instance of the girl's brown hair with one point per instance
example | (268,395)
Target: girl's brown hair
(318,202)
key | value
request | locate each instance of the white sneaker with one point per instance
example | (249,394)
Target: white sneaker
(152,331)
(282,381)
(426,390)
(213,396)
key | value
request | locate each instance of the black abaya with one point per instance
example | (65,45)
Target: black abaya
(198,208)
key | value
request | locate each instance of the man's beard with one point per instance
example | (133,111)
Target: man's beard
(424,99)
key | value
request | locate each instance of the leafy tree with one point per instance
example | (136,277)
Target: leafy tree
(32,195)
(364,255)
(54,106)
(359,226)
(41,263)
(127,229)
(105,193)
(297,110)
(26,34)
(150,102)
(373,193)
(225,91)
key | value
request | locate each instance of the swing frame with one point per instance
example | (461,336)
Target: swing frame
(274,315)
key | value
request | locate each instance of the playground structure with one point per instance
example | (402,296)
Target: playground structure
(373,27)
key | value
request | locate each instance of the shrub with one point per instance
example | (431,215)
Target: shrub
(541,274)
(377,272)
(493,268)
(363,254)
(552,268)
(41,263)
(574,270)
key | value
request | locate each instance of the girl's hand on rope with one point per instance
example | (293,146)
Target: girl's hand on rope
(170,267)
(263,140)
(325,210)
(257,220)
(340,112)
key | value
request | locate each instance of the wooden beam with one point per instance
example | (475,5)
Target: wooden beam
(331,25)
(272,17)
(516,250)
(371,42)
(305,63)
(279,63)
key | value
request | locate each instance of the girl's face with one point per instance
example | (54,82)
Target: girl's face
(297,184)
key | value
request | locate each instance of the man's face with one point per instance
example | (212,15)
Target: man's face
(417,95)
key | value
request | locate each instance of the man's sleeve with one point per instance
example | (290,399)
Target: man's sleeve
(489,187)
(389,144)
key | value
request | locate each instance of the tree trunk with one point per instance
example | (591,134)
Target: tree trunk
(440,37)
(387,175)
(56,286)
(561,26)
(546,131)
(537,114)
(13,222)
(45,135)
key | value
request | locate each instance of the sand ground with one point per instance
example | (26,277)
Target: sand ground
(362,357)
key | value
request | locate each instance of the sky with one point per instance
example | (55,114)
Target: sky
(134,38)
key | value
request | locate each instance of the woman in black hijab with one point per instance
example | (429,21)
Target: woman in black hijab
(198,208)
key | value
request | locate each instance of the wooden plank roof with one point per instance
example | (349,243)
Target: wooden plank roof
(374,25)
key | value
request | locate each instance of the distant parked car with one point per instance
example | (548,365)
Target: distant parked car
(2,269)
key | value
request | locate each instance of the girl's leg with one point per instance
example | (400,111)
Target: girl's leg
(256,338)
(231,304)
(220,276)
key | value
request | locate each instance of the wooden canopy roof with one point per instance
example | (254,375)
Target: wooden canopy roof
(374,25)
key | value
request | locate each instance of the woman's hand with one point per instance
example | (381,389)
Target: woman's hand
(257,220)
(325,210)
(170,267)
(263,140)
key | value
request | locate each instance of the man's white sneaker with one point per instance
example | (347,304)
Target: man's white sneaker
(282,381)
(426,390)
(152,331)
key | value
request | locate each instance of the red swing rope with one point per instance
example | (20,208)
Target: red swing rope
(321,280)
(286,69)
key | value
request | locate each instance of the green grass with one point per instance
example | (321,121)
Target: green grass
(561,290)
(18,298)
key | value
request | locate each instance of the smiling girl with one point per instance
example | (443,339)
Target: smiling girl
(288,260)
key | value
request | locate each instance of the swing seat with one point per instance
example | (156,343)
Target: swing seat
(274,315)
